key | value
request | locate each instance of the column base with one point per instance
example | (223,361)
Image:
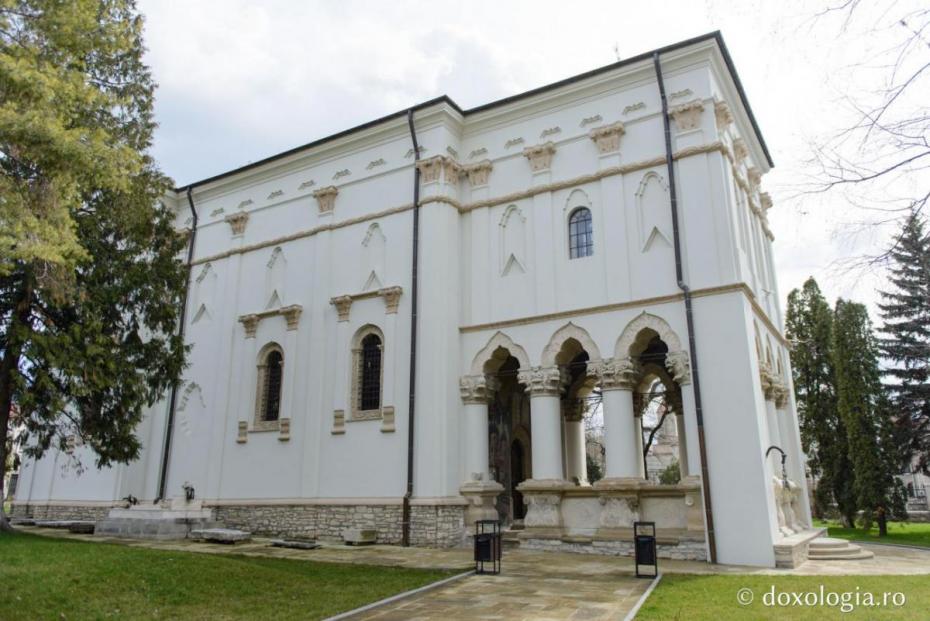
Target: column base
(543,499)
(482,499)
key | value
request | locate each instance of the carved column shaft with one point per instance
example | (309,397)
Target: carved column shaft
(545,385)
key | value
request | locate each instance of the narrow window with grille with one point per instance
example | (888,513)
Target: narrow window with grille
(271,391)
(580,234)
(370,373)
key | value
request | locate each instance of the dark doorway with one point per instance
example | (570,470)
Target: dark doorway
(517,476)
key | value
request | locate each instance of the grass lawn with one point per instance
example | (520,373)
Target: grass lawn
(43,578)
(696,597)
(908,533)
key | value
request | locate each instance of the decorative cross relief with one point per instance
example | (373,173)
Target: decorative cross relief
(607,138)
(687,115)
(478,173)
(540,156)
(237,222)
(723,115)
(618,373)
(343,304)
(326,198)
(679,366)
(544,380)
(477,389)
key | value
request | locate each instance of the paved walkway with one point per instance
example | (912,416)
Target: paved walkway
(532,585)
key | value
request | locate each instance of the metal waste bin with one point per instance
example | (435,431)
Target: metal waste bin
(644,544)
(487,547)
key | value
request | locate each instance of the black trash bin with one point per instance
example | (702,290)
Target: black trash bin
(644,543)
(487,547)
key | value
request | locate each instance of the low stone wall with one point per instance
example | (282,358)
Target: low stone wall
(59,512)
(682,551)
(431,526)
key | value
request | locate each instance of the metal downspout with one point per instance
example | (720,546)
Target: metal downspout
(172,402)
(411,404)
(689,313)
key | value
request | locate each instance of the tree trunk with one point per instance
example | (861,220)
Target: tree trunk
(882,523)
(9,365)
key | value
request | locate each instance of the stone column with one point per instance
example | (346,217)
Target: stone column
(478,489)
(682,444)
(545,385)
(769,389)
(576,465)
(623,453)
(679,367)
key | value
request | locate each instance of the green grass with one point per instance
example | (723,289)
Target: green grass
(43,578)
(905,533)
(694,597)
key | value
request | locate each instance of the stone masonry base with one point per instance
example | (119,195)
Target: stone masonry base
(684,550)
(59,512)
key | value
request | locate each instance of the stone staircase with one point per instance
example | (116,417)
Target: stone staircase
(510,537)
(832,549)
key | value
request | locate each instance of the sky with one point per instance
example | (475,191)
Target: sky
(239,81)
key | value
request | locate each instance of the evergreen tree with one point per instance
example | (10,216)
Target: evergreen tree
(90,276)
(809,325)
(860,402)
(905,312)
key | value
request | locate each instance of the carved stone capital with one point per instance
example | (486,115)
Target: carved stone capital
(439,167)
(781,395)
(755,178)
(292,315)
(544,380)
(250,323)
(723,114)
(478,173)
(740,150)
(343,304)
(618,374)
(326,198)
(687,115)
(766,200)
(607,138)
(477,388)
(679,366)
(573,409)
(540,156)
(768,381)
(391,297)
(237,222)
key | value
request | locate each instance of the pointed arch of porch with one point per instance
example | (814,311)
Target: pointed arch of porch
(569,331)
(637,334)
(488,359)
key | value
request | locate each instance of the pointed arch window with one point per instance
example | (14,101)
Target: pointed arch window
(580,234)
(270,380)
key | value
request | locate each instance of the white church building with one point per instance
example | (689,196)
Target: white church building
(403,339)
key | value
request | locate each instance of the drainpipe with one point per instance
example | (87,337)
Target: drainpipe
(689,314)
(172,401)
(411,404)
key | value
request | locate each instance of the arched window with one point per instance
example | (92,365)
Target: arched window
(270,374)
(369,394)
(580,234)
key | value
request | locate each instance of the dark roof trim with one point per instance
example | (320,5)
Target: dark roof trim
(507,100)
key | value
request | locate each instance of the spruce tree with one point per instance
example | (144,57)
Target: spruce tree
(905,313)
(90,273)
(809,325)
(861,406)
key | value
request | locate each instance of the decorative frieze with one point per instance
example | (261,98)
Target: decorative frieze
(544,380)
(477,153)
(375,163)
(591,120)
(237,222)
(387,419)
(439,167)
(477,389)
(284,429)
(513,142)
(391,297)
(551,131)
(540,156)
(345,172)
(343,304)
(306,184)
(607,138)
(250,323)
(679,366)
(687,115)
(478,173)
(722,114)
(618,373)
(245,203)
(639,105)
(275,194)
(326,198)
(339,422)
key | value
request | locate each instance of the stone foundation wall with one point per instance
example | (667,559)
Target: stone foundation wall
(431,526)
(683,551)
(59,512)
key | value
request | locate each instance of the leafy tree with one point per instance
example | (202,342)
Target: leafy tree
(809,325)
(671,475)
(595,473)
(90,277)
(862,408)
(905,312)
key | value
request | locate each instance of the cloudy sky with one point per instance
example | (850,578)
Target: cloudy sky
(242,80)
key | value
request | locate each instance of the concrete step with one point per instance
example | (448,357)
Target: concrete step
(832,549)
(828,543)
(858,555)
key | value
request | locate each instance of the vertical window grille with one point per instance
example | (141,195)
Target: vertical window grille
(271,395)
(580,234)
(370,373)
